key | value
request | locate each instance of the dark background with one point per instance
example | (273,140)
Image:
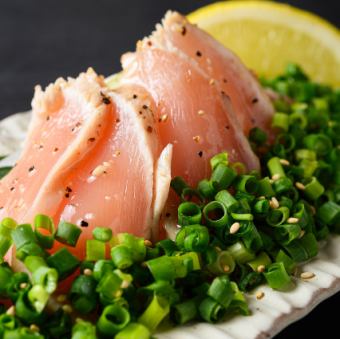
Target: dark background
(41,40)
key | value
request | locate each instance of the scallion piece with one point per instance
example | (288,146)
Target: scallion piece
(109,286)
(38,297)
(178,184)
(222,176)
(329,213)
(84,330)
(41,273)
(277,216)
(262,259)
(121,256)
(64,262)
(68,233)
(206,189)
(247,183)
(280,120)
(135,244)
(319,143)
(277,276)
(95,250)
(221,291)
(226,199)
(83,294)
(222,263)
(215,214)
(287,261)
(211,310)
(189,213)
(113,319)
(102,234)
(220,158)
(157,310)
(192,238)
(101,267)
(265,188)
(22,235)
(240,253)
(275,167)
(133,331)
(185,311)
(45,223)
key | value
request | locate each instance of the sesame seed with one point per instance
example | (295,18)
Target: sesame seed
(300,186)
(259,295)
(99,170)
(61,298)
(147,243)
(276,177)
(262,197)
(284,162)
(292,220)
(116,154)
(261,268)
(34,328)
(88,271)
(23,285)
(124,284)
(307,275)
(226,268)
(218,249)
(234,228)
(211,82)
(313,210)
(201,112)
(11,311)
(196,138)
(302,233)
(67,308)
(274,203)
(118,293)
(164,117)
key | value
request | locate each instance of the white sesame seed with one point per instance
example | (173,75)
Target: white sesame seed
(302,233)
(276,177)
(226,268)
(147,243)
(234,227)
(67,308)
(261,268)
(307,275)
(11,311)
(23,285)
(34,328)
(211,82)
(196,138)
(164,117)
(259,295)
(200,112)
(118,293)
(124,284)
(87,271)
(284,162)
(292,220)
(116,154)
(61,298)
(262,197)
(274,203)
(101,169)
(218,249)
(300,186)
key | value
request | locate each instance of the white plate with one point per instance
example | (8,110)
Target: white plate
(271,314)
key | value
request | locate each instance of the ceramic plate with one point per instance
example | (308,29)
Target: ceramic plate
(270,315)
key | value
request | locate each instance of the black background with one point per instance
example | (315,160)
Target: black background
(41,40)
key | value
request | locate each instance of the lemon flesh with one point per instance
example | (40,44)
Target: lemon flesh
(267,35)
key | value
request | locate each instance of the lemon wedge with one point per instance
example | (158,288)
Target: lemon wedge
(268,35)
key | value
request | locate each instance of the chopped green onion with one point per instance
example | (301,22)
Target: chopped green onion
(211,310)
(275,167)
(206,189)
(215,214)
(113,319)
(277,276)
(121,256)
(84,330)
(133,331)
(277,216)
(319,143)
(222,176)
(45,223)
(287,261)
(247,184)
(22,235)
(157,310)
(41,273)
(280,120)
(193,238)
(95,250)
(262,259)
(240,253)
(225,198)
(68,233)
(82,294)
(185,311)
(265,188)
(178,184)
(102,234)
(189,214)
(38,297)
(64,262)
(221,262)
(221,291)
(329,213)
(220,158)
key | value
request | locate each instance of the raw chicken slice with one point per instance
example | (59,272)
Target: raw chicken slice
(68,121)
(192,115)
(226,71)
(114,185)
